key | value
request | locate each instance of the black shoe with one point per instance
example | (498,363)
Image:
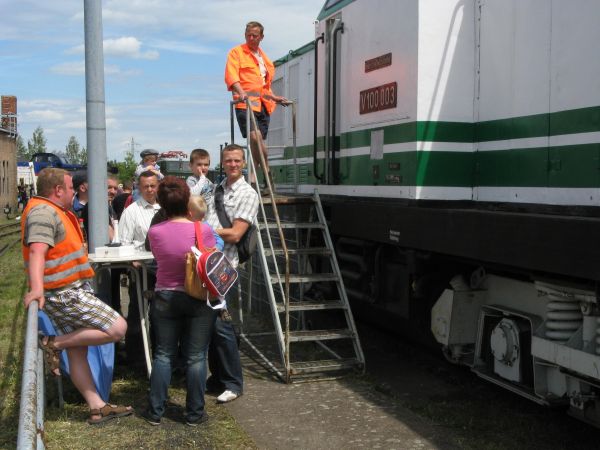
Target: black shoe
(200,420)
(149,418)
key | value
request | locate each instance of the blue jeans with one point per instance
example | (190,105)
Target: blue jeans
(224,356)
(179,319)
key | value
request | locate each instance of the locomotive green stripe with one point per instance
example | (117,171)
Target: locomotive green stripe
(574,121)
(571,166)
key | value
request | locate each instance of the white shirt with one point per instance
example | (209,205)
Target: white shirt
(261,65)
(135,221)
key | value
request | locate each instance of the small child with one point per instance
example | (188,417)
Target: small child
(198,182)
(197,211)
(149,158)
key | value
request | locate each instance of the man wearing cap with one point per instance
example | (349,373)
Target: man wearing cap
(149,158)
(80,185)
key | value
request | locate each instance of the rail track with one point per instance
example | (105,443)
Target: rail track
(7,234)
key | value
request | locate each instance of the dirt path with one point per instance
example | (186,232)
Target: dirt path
(409,399)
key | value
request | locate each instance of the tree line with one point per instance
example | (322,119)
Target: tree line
(73,153)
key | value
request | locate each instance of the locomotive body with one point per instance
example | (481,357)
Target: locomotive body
(456,147)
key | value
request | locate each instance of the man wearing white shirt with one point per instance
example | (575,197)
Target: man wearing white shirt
(135,221)
(133,228)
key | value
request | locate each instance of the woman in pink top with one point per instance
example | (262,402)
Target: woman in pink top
(177,319)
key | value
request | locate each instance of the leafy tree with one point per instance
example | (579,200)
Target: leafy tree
(37,144)
(74,153)
(127,167)
(22,152)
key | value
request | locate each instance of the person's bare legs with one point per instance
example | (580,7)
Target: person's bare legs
(256,143)
(81,375)
(92,336)
(76,344)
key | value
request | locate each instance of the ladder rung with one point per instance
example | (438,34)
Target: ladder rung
(323,251)
(325,365)
(312,305)
(319,335)
(309,278)
(294,225)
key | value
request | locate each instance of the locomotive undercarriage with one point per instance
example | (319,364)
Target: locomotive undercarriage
(513,322)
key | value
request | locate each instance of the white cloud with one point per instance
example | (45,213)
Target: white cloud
(123,47)
(129,47)
(76,125)
(182,47)
(77,68)
(43,115)
(69,68)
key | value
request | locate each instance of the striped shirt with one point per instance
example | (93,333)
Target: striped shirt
(241,202)
(135,221)
(43,225)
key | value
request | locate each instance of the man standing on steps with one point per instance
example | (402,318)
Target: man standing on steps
(249,74)
(240,203)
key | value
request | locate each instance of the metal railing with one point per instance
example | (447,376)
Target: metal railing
(31,414)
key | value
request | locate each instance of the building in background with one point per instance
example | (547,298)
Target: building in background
(8,152)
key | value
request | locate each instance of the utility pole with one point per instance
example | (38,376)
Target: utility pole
(132,146)
(95,123)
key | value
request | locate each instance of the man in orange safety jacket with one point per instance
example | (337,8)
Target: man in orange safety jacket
(59,272)
(248,75)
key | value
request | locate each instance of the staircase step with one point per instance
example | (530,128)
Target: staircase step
(312,305)
(322,251)
(308,278)
(288,200)
(292,225)
(325,365)
(319,335)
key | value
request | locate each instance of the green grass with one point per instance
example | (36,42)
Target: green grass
(12,328)
(66,428)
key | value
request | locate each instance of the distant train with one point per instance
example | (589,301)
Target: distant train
(456,147)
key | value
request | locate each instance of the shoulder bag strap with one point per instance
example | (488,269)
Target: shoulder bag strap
(199,238)
(220,207)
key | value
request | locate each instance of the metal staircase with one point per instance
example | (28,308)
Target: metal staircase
(295,272)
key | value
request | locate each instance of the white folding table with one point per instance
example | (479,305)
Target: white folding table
(101,262)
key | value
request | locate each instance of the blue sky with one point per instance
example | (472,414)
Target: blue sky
(163,60)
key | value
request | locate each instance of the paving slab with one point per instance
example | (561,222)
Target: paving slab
(349,412)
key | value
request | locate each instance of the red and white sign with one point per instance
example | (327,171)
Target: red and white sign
(378,98)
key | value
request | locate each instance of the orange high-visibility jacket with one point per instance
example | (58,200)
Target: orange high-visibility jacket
(242,66)
(67,261)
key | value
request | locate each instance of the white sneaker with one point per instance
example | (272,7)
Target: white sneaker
(227,396)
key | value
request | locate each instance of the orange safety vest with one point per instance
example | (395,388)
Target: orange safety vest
(242,66)
(67,261)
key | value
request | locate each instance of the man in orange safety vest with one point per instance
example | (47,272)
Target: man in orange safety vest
(59,273)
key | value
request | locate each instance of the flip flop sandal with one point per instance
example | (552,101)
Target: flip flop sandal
(51,354)
(108,412)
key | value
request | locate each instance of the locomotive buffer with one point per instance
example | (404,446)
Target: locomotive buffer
(295,272)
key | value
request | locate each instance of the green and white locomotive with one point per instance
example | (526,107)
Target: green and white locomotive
(456,147)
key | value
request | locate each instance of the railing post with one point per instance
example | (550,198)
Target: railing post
(31,415)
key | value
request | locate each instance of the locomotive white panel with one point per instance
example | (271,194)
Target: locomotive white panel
(514,58)
(446,60)
(575,54)
(373,29)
